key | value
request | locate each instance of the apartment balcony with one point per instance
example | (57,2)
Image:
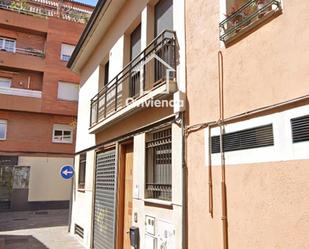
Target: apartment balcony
(20,99)
(149,76)
(247,18)
(47,8)
(23,58)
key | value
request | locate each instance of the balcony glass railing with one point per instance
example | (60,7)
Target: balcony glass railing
(248,14)
(145,72)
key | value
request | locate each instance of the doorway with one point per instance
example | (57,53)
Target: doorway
(125,195)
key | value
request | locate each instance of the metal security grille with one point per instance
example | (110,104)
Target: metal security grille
(261,136)
(105,198)
(79,231)
(159,165)
(300,129)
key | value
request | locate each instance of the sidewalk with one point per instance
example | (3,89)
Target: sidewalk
(36,230)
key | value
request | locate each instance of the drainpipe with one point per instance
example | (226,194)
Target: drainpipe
(221,125)
(184,184)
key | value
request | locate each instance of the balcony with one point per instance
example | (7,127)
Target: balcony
(21,92)
(23,58)
(45,9)
(248,17)
(30,51)
(150,75)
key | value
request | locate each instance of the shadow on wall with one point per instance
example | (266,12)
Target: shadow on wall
(20,242)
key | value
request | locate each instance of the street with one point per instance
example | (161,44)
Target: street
(36,230)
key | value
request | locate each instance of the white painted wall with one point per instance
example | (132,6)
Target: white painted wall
(179,27)
(174,216)
(88,90)
(82,201)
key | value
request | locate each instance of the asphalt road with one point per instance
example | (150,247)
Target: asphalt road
(45,229)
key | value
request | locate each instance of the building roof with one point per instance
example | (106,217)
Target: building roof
(86,31)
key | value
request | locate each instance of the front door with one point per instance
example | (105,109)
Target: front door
(128,194)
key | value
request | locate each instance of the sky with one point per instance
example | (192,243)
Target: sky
(91,2)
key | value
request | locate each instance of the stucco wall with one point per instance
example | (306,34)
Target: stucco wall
(267,201)
(46,183)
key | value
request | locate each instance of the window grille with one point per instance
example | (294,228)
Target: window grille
(159,165)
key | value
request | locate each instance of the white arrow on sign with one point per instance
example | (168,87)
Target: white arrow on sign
(66,172)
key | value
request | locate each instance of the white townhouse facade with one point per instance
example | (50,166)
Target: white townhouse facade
(129,143)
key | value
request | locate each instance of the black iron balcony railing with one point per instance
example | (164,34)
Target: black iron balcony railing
(246,15)
(146,71)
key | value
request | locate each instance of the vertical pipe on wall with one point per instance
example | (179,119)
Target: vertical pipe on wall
(210,189)
(221,124)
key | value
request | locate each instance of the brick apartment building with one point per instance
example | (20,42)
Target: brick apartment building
(38,100)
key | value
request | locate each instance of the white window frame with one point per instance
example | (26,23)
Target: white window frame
(2,121)
(61,139)
(4,40)
(69,84)
(8,80)
(63,54)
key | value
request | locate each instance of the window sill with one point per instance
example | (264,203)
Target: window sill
(81,190)
(157,202)
(56,142)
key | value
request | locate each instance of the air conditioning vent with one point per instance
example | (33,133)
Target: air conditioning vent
(300,129)
(256,137)
(79,231)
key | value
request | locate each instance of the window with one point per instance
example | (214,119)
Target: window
(3,129)
(242,16)
(106,73)
(246,139)
(159,165)
(5,82)
(8,45)
(66,51)
(62,134)
(135,50)
(68,91)
(300,129)
(82,171)
(163,16)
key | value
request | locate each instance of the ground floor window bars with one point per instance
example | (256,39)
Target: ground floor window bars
(159,165)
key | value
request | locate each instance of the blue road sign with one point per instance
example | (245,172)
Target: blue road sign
(67,172)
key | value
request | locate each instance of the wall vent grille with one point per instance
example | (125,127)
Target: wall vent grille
(256,137)
(300,129)
(79,231)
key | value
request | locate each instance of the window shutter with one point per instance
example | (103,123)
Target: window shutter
(68,91)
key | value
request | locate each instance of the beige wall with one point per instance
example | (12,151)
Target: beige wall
(267,202)
(46,183)
(272,61)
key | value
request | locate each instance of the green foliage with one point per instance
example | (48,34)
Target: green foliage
(20,4)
